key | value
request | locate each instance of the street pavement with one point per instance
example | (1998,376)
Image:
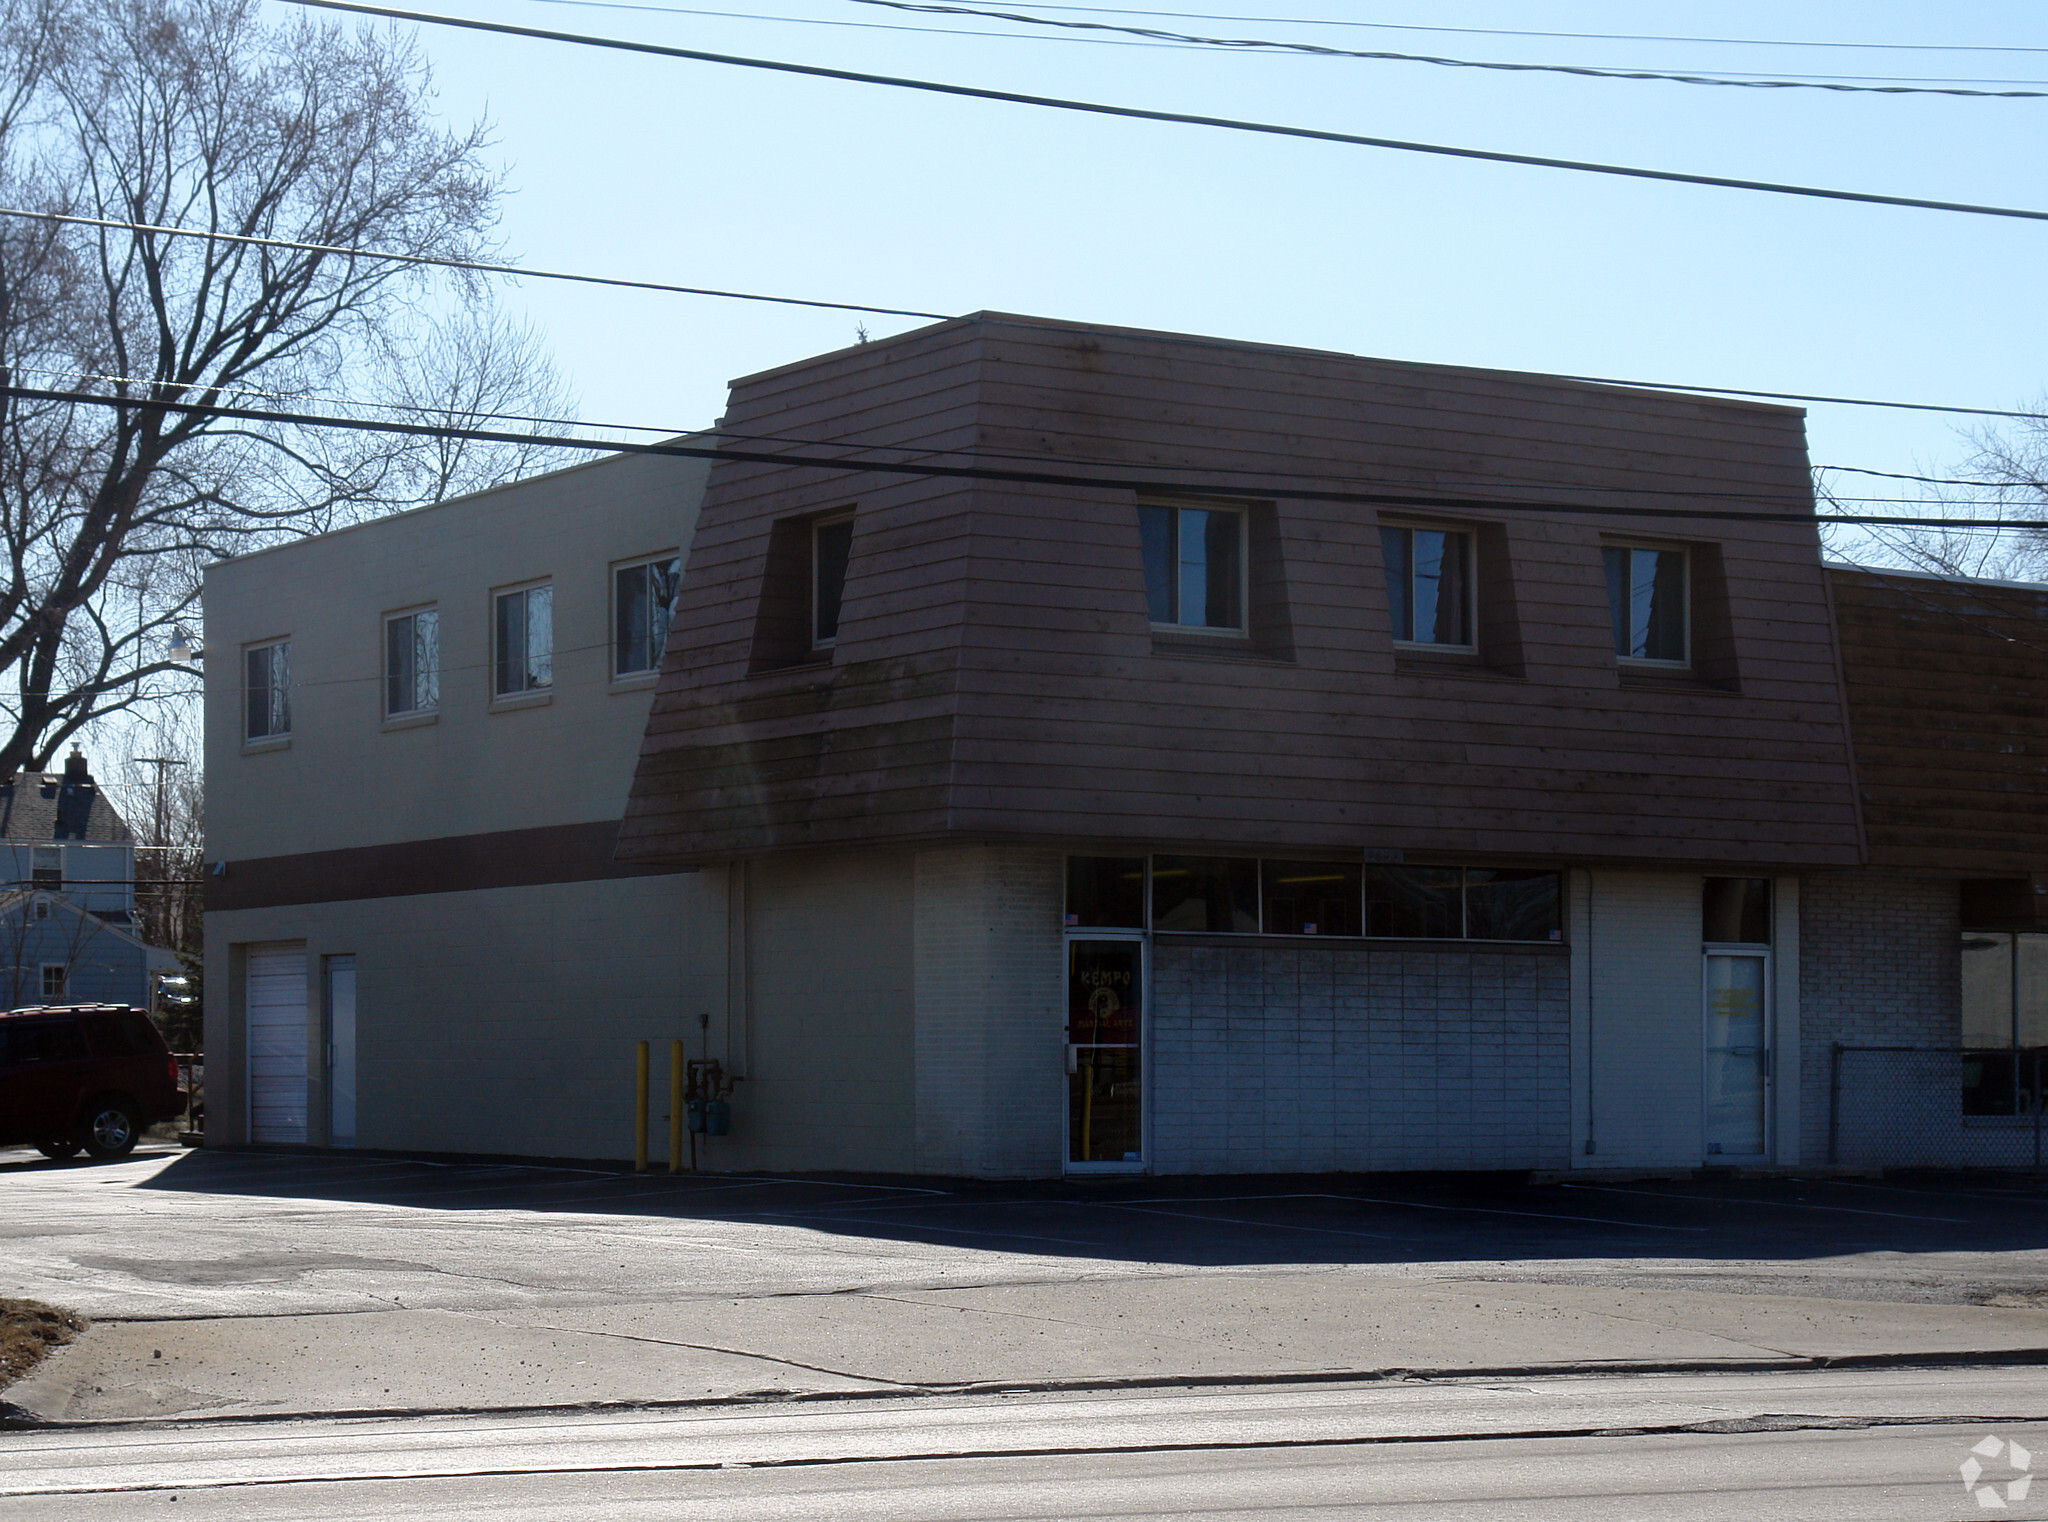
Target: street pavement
(1860,1444)
(292,1334)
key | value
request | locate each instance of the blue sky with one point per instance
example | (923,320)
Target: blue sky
(715,176)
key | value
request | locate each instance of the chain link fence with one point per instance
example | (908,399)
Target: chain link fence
(1936,1107)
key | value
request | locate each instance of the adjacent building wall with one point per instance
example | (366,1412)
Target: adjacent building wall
(1879,967)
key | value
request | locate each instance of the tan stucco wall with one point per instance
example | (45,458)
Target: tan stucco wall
(990,1012)
(346,778)
(490,1022)
(825,1021)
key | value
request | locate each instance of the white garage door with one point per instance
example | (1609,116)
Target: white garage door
(276,1007)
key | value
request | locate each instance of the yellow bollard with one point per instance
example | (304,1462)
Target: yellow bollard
(640,1108)
(675,1107)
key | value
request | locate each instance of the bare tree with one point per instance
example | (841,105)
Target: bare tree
(194,114)
(2006,472)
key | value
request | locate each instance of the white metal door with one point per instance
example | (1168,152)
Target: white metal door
(275,1019)
(341,1051)
(1738,1055)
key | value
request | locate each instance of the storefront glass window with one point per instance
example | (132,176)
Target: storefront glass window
(1218,894)
(1311,897)
(1512,905)
(1106,892)
(1414,901)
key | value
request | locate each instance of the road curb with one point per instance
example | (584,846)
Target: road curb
(18,1419)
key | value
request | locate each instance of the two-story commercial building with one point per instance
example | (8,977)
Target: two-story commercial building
(1069,749)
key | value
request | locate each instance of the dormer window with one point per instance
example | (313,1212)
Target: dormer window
(46,866)
(831,548)
(1647,601)
(1194,567)
(1429,586)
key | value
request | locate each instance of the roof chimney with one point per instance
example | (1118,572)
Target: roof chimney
(75,769)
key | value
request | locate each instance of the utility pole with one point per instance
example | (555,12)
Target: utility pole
(160,763)
(163,868)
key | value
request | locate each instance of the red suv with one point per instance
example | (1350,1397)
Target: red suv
(83,1075)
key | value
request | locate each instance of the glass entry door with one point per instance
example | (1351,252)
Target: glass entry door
(1105,1081)
(1738,1055)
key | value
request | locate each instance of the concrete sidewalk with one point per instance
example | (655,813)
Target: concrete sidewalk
(1204,1326)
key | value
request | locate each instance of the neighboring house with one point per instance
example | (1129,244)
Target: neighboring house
(1203,757)
(67,896)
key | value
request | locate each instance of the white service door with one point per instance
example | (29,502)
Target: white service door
(1738,1055)
(275,1006)
(341,1051)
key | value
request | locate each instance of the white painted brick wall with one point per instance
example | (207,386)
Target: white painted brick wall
(989,990)
(1358,1057)
(1878,967)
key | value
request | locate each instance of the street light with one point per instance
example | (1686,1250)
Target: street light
(186,650)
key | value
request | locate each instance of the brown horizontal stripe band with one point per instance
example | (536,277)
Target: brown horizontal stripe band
(558,853)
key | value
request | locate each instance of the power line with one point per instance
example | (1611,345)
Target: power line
(1253,487)
(1807,396)
(1180,118)
(691,290)
(477,266)
(925,450)
(1581,71)
(1894,84)
(1488,31)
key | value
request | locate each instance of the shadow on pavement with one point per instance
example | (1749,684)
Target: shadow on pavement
(1210,1222)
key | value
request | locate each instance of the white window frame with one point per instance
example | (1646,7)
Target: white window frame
(271,649)
(523,589)
(417,708)
(1684,553)
(1411,527)
(829,520)
(63,972)
(619,568)
(1242,628)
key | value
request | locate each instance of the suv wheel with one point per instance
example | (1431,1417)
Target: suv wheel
(58,1151)
(111,1129)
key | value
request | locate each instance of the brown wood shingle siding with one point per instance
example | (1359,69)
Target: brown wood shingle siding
(1948,701)
(997,677)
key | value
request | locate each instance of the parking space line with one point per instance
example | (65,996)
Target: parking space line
(950,1231)
(1708,1199)
(1181,1215)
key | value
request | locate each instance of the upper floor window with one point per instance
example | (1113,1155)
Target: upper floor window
(412,662)
(643,598)
(1194,566)
(46,870)
(523,640)
(1646,600)
(266,690)
(1429,586)
(831,548)
(55,976)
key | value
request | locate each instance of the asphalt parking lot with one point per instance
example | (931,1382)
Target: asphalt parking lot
(1928,1237)
(245,1282)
